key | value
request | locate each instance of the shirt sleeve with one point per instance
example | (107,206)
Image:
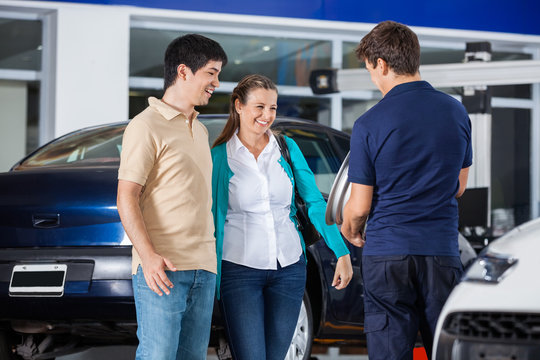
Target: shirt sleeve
(316,206)
(361,169)
(138,153)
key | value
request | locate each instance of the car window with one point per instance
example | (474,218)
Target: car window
(320,155)
(214,127)
(343,143)
(95,146)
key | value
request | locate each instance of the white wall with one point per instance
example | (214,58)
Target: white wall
(92,70)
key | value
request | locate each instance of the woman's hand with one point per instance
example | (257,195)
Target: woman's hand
(343,273)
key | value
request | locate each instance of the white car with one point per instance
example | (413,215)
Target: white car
(494,313)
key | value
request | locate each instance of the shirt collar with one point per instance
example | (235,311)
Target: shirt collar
(167,111)
(234,144)
(272,143)
(412,85)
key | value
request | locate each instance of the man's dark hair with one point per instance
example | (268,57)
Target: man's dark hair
(393,42)
(192,50)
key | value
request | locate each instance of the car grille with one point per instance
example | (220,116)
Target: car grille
(494,325)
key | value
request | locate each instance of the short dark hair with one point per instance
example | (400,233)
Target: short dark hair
(192,50)
(393,42)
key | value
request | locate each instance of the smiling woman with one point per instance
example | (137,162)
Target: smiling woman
(261,252)
(256,117)
(252,110)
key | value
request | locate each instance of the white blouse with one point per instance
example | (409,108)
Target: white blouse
(258,230)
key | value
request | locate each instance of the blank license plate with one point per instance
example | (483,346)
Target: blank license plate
(38,280)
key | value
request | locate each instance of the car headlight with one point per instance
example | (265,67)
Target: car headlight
(490,268)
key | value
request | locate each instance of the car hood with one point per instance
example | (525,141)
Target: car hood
(59,206)
(517,290)
(522,242)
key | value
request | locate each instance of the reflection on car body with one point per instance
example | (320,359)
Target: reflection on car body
(58,207)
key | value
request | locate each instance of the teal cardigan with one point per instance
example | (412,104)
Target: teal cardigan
(305,182)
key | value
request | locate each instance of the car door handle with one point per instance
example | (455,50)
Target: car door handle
(45,221)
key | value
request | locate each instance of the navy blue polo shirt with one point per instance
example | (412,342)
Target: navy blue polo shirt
(411,147)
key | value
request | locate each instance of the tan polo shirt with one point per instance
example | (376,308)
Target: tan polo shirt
(173,164)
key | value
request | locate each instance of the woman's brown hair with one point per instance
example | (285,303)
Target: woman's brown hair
(241,92)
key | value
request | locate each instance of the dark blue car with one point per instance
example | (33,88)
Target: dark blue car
(65,261)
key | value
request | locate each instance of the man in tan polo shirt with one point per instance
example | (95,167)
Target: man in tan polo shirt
(164,201)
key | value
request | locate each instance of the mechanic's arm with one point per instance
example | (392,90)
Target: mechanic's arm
(463,177)
(355,213)
(153,264)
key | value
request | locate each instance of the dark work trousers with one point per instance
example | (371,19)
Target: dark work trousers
(404,294)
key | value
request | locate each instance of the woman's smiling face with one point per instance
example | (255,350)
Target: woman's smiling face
(259,111)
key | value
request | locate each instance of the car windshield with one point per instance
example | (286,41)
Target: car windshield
(94,146)
(102,146)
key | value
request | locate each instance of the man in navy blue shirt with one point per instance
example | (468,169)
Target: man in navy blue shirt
(409,161)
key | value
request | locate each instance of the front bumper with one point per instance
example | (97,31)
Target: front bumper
(97,285)
(489,335)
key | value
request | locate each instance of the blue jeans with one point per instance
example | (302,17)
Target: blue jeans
(175,326)
(261,308)
(404,294)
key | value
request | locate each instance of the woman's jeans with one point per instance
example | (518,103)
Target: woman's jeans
(261,308)
(175,326)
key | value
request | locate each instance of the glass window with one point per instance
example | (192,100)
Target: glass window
(319,154)
(310,108)
(138,100)
(285,61)
(429,55)
(510,168)
(20,50)
(523,91)
(20,44)
(349,56)
(352,110)
(509,56)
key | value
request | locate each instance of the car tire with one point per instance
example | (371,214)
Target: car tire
(302,341)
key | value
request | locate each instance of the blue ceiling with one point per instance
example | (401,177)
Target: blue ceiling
(518,16)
